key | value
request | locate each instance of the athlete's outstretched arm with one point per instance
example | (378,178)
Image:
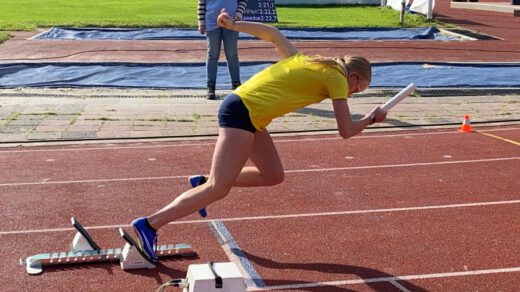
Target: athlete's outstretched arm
(348,127)
(262,31)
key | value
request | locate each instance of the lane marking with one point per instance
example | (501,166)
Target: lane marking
(403,165)
(390,279)
(502,129)
(499,138)
(236,255)
(286,216)
(48,182)
(105,148)
(276,141)
(399,286)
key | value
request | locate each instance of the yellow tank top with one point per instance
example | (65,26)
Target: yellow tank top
(289,85)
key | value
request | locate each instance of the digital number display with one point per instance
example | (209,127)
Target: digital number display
(260,11)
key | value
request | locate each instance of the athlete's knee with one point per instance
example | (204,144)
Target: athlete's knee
(275,177)
(219,189)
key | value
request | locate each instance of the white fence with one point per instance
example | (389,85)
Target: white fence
(419,6)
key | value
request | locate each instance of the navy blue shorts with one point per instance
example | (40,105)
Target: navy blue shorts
(234,114)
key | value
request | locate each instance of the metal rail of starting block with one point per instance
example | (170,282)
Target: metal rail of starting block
(84,250)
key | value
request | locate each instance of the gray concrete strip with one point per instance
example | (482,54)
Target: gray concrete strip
(77,114)
(494,6)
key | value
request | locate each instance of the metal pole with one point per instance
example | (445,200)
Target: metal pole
(430,10)
(401,16)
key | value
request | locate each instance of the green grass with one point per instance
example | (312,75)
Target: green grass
(32,14)
(4,36)
(345,16)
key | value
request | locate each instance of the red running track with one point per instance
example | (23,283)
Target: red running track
(403,211)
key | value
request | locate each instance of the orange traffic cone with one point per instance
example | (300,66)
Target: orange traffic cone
(466,125)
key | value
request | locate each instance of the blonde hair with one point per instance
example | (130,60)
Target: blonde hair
(347,64)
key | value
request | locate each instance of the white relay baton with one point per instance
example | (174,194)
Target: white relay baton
(398,97)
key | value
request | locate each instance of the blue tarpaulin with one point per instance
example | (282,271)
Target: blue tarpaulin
(62,33)
(193,75)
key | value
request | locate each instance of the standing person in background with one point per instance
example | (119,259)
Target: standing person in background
(209,10)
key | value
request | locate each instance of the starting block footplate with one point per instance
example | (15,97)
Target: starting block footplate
(84,250)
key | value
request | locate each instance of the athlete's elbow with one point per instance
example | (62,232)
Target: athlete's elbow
(274,35)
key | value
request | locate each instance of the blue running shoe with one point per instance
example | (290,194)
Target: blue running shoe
(195,181)
(147,237)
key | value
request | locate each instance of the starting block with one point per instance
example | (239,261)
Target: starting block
(84,250)
(133,257)
(82,240)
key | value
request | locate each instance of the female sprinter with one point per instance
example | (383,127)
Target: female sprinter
(293,83)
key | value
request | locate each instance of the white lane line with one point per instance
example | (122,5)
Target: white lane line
(236,255)
(25,150)
(403,134)
(47,182)
(286,216)
(403,165)
(389,279)
(399,286)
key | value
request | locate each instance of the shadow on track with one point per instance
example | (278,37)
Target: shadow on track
(370,276)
